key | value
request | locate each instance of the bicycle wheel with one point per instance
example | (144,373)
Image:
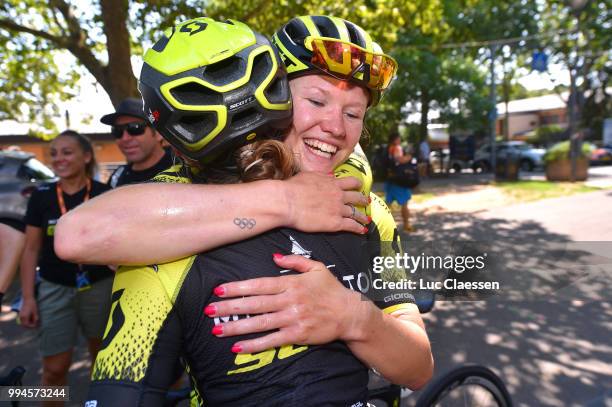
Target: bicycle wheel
(471,385)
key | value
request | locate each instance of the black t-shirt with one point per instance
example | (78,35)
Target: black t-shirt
(43,212)
(126,175)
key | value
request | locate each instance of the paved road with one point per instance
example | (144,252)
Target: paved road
(549,335)
(552,350)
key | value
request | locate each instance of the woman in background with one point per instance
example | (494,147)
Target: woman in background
(69,294)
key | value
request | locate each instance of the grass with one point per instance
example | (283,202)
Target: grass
(422,197)
(525,191)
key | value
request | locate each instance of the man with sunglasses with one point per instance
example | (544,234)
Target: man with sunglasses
(140,144)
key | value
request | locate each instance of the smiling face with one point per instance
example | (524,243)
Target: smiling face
(327,121)
(141,150)
(68,159)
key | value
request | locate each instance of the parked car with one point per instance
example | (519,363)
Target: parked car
(601,155)
(20,175)
(529,157)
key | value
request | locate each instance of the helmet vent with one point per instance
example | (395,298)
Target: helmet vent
(160,45)
(262,65)
(326,26)
(194,94)
(296,30)
(192,128)
(246,118)
(224,72)
(356,37)
(276,92)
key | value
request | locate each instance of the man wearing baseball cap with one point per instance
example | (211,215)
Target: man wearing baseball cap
(140,144)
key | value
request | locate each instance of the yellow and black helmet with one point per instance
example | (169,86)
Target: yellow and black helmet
(331,45)
(210,87)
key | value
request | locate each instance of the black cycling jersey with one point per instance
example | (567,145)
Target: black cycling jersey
(126,175)
(157,318)
(43,212)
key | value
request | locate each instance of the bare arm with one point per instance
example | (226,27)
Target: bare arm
(10,254)
(154,223)
(396,345)
(29,259)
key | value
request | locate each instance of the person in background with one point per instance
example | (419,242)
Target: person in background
(140,144)
(69,295)
(394,192)
(12,240)
(424,151)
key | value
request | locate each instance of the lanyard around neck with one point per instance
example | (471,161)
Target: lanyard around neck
(60,195)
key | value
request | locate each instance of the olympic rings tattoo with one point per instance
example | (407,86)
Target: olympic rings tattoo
(245,223)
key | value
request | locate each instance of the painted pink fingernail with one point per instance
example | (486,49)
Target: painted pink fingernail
(217,330)
(365,230)
(219,291)
(236,349)
(369,219)
(210,310)
(277,256)
(369,200)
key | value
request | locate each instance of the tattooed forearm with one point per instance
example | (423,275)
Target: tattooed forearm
(245,223)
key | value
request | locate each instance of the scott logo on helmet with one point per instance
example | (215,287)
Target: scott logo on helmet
(241,103)
(194,27)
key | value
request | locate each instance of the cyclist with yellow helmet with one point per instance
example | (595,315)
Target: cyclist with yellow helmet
(328,118)
(157,316)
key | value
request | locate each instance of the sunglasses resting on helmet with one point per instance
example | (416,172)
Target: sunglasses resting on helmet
(133,129)
(347,61)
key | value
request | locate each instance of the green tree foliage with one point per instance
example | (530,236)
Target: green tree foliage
(47,46)
(446,69)
(581,43)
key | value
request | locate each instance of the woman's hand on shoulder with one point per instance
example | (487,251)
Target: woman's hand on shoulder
(322,203)
(309,308)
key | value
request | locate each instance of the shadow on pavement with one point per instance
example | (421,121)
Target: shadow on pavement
(19,346)
(548,336)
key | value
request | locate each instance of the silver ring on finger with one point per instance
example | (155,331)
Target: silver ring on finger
(352,216)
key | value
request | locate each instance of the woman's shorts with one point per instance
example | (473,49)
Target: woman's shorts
(62,309)
(15,224)
(394,192)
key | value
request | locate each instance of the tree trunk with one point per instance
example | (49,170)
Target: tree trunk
(424,113)
(506,91)
(119,81)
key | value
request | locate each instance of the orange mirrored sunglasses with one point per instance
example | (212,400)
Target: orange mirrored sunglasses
(347,61)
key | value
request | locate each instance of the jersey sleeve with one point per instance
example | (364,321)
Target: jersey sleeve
(384,241)
(177,174)
(142,343)
(357,166)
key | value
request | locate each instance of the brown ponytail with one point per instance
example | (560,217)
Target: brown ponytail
(266,159)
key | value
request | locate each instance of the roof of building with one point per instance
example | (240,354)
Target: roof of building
(535,104)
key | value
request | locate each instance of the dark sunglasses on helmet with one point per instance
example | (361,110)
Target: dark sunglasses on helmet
(133,129)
